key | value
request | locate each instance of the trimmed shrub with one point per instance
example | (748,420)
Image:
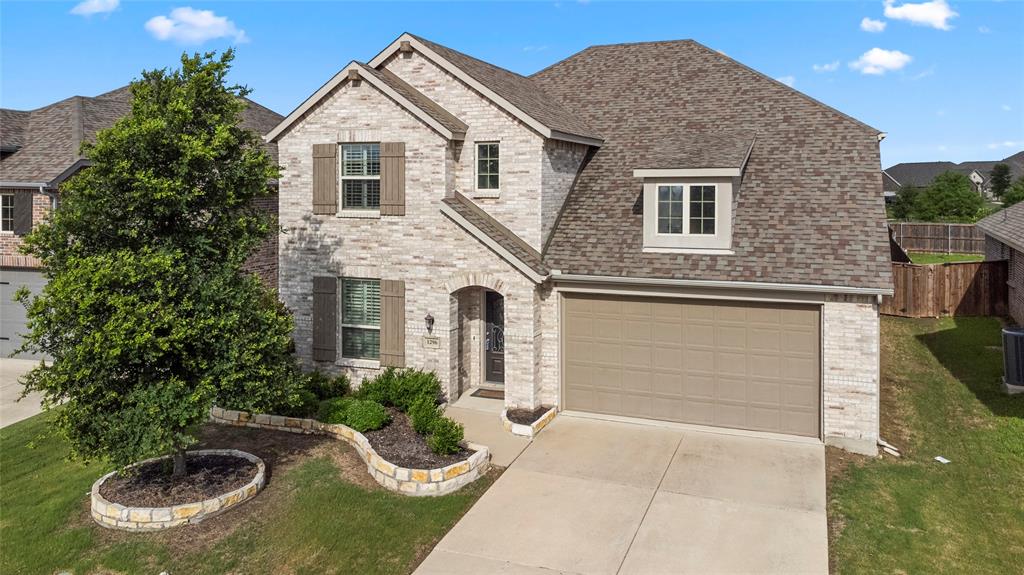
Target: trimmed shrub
(381,388)
(423,413)
(333,410)
(446,436)
(325,386)
(364,415)
(303,404)
(400,388)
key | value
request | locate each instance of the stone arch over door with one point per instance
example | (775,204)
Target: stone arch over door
(485,280)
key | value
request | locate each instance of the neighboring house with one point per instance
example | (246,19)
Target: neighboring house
(1004,240)
(642,230)
(921,174)
(39,149)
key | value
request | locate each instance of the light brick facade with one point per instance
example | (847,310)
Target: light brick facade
(997,250)
(851,333)
(10,243)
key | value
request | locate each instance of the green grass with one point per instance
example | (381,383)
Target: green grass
(934,258)
(319,523)
(941,396)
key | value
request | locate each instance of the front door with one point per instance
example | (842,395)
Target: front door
(494,338)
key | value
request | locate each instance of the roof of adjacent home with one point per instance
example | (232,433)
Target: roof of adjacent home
(41,146)
(809,209)
(1006,225)
(921,174)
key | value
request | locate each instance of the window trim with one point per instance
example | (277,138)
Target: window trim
(476,167)
(4,196)
(720,242)
(686,215)
(351,211)
(342,325)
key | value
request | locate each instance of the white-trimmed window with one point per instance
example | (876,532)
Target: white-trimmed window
(686,209)
(487,166)
(360,176)
(688,214)
(360,318)
(6,212)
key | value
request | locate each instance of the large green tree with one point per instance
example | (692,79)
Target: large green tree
(903,203)
(1015,194)
(999,179)
(148,314)
(950,197)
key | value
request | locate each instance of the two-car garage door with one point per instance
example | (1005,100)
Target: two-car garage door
(730,364)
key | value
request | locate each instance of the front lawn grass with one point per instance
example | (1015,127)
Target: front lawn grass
(320,513)
(936,258)
(940,396)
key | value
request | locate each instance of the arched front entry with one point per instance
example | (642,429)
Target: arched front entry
(478,338)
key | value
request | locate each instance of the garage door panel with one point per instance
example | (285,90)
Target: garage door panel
(734,364)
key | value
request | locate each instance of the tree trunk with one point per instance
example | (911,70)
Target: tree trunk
(179,464)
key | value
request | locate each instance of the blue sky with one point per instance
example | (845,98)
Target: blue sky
(944,78)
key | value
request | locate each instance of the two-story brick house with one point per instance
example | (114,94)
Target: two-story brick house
(647,231)
(39,149)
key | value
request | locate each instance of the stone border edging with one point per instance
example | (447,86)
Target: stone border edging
(531,430)
(417,482)
(117,516)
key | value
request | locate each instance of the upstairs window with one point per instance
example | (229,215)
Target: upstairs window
(6,212)
(686,209)
(360,318)
(687,214)
(487,166)
(702,210)
(360,176)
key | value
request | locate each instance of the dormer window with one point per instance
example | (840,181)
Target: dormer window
(686,209)
(687,214)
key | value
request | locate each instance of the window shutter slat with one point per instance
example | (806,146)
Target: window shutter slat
(392,179)
(392,324)
(22,212)
(325,178)
(325,318)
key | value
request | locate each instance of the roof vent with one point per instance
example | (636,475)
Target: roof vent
(1013,360)
(405,46)
(353,75)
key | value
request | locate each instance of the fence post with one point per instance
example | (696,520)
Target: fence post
(949,238)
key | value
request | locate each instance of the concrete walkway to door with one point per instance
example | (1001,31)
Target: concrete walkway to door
(591,496)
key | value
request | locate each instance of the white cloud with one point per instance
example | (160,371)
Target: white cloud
(869,25)
(984,29)
(787,80)
(877,61)
(191,26)
(830,67)
(1006,107)
(90,7)
(1005,144)
(935,13)
(930,71)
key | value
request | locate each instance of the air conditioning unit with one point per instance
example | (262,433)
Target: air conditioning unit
(1013,360)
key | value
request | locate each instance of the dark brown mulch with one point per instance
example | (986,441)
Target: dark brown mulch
(399,443)
(206,477)
(526,416)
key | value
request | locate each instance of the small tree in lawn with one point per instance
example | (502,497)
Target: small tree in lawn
(950,197)
(999,179)
(903,203)
(147,313)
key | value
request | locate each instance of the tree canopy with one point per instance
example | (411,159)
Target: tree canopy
(950,197)
(148,315)
(999,179)
(1015,194)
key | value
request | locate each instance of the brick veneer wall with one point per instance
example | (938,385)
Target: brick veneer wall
(997,250)
(10,243)
(851,338)
(264,262)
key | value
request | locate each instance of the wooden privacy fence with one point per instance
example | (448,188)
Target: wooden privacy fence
(965,288)
(944,238)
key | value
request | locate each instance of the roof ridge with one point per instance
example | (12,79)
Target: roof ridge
(422,39)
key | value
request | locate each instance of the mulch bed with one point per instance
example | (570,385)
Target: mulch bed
(399,443)
(526,416)
(206,477)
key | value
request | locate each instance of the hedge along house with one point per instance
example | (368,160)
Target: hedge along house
(39,149)
(649,231)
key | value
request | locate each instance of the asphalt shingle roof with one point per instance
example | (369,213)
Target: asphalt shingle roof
(1006,225)
(921,174)
(419,99)
(497,232)
(521,91)
(809,209)
(48,138)
(684,150)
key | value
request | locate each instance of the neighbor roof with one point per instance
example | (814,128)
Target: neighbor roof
(921,174)
(47,140)
(1006,225)
(809,209)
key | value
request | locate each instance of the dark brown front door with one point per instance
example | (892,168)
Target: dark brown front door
(494,338)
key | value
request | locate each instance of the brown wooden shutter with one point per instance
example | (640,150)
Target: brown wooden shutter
(325,178)
(325,318)
(22,212)
(392,179)
(392,323)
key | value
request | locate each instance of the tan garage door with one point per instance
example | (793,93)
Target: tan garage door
(728,364)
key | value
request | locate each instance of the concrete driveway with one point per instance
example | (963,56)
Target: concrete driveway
(591,496)
(12,410)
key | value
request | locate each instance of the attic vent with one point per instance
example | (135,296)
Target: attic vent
(353,75)
(405,46)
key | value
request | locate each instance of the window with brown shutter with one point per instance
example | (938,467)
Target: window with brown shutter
(392,323)
(392,179)
(325,178)
(325,318)
(22,212)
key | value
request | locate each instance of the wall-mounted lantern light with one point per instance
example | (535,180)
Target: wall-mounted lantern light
(429,321)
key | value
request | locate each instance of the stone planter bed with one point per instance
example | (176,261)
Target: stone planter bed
(417,481)
(217,480)
(525,422)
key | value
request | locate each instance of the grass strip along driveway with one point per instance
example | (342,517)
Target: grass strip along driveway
(940,397)
(320,513)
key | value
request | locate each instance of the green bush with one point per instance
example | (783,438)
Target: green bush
(303,404)
(446,436)
(325,386)
(381,388)
(401,388)
(423,414)
(359,414)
